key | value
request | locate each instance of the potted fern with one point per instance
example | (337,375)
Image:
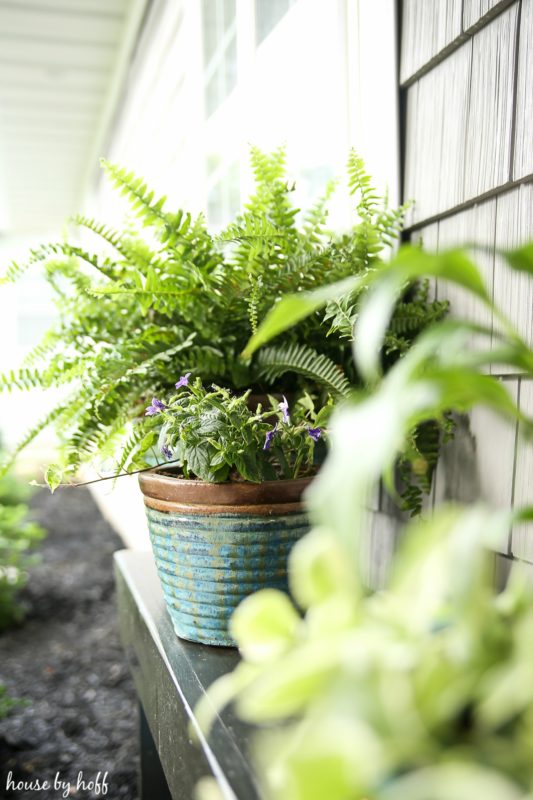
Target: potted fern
(181,302)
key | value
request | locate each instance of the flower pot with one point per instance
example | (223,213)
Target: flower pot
(216,543)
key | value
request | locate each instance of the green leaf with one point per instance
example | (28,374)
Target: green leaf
(456,780)
(265,625)
(390,281)
(521,259)
(53,476)
(318,569)
(294,680)
(303,360)
(295,307)
(335,759)
(208,789)
(198,458)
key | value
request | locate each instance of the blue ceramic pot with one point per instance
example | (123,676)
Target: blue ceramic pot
(214,544)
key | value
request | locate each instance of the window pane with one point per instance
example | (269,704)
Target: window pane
(211,28)
(234,191)
(220,51)
(212,94)
(267,15)
(229,13)
(31,327)
(230,67)
(215,206)
(224,198)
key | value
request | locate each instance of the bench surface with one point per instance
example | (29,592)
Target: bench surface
(170,676)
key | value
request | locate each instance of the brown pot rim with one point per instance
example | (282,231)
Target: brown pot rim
(169,489)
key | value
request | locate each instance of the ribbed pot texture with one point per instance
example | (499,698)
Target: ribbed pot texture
(214,544)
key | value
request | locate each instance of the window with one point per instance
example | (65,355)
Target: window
(290,89)
(215,76)
(267,15)
(220,51)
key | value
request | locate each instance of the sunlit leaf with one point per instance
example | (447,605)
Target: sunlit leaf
(264,625)
(452,781)
(409,265)
(53,476)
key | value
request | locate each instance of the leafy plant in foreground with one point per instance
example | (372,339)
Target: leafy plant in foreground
(424,690)
(169,298)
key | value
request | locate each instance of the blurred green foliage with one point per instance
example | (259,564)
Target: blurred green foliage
(18,537)
(7,703)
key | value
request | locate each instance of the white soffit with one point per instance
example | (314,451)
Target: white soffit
(62,66)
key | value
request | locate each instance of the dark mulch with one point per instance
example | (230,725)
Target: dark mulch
(67,661)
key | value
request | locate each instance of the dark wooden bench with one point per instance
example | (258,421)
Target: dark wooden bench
(170,676)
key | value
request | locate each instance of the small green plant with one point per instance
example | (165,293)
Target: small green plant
(18,537)
(7,703)
(216,436)
(168,297)
(423,690)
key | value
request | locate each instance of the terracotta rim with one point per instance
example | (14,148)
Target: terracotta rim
(168,489)
(263,510)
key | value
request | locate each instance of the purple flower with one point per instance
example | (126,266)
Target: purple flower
(315,433)
(166,450)
(155,407)
(268,438)
(284,408)
(183,381)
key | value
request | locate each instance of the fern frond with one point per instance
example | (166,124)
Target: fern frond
(411,317)
(145,368)
(417,466)
(268,167)
(205,360)
(111,236)
(389,222)
(272,362)
(253,302)
(29,436)
(22,379)
(360,183)
(135,252)
(250,229)
(15,270)
(130,448)
(43,349)
(105,267)
(341,314)
(97,291)
(314,220)
(140,197)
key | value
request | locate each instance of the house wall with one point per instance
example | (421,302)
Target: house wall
(466,83)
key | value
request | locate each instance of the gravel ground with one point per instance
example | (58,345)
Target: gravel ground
(67,661)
